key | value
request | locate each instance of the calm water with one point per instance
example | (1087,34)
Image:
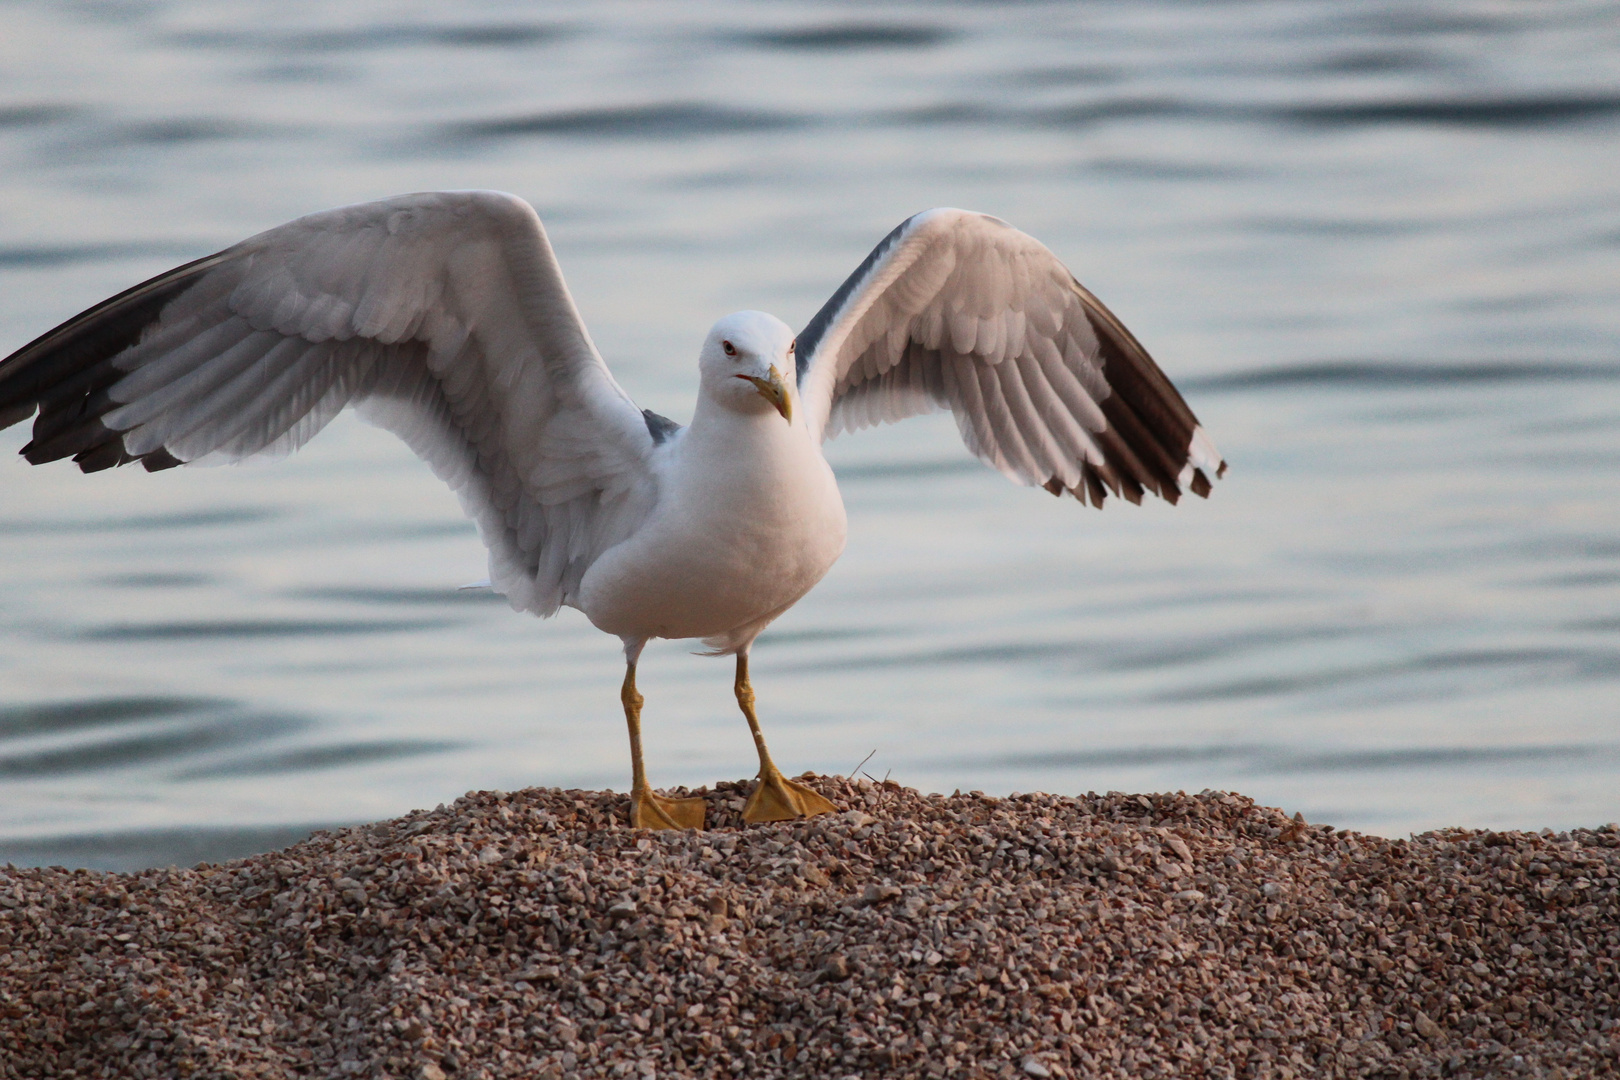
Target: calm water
(1378,245)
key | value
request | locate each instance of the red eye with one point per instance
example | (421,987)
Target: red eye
(731,350)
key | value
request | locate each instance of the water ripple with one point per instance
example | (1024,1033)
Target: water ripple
(146,747)
(661,120)
(186,129)
(1521,110)
(1265,759)
(1377,61)
(1526,664)
(1602,626)
(157,580)
(402,596)
(1097,655)
(1087,114)
(38,257)
(1391,375)
(1127,756)
(182,521)
(1430,757)
(1011,652)
(685,119)
(469,35)
(65,716)
(37,114)
(319,757)
(217,629)
(1581,580)
(252,628)
(849,36)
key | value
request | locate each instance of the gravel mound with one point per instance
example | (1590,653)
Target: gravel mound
(535,935)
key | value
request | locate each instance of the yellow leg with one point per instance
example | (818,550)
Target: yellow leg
(649,811)
(775,798)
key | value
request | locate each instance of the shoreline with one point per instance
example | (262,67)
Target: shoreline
(534,934)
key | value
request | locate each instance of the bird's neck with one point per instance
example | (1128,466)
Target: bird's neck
(718,427)
(747,454)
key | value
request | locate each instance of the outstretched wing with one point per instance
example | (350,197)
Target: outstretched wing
(961,311)
(442,316)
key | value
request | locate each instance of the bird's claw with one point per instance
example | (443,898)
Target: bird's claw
(649,811)
(776,798)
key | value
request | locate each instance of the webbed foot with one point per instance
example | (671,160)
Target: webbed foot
(776,798)
(649,811)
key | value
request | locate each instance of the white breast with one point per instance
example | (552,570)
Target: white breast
(748,519)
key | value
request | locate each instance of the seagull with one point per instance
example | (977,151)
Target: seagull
(443,317)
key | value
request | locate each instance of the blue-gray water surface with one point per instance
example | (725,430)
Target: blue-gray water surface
(1376,244)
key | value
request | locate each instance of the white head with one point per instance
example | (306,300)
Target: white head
(747,364)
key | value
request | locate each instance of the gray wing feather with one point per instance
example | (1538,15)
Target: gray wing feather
(960,311)
(442,317)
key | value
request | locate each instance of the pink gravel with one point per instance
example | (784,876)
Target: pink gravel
(535,935)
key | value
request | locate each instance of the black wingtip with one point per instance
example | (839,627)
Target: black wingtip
(1092,488)
(108,455)
(67,440)
(60,373)
(15,414)
(160,459)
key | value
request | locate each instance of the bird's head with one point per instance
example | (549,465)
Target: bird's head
(747,363)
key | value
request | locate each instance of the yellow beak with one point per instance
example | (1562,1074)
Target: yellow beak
(774,389)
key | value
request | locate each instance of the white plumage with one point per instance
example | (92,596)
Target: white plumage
(444,318)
